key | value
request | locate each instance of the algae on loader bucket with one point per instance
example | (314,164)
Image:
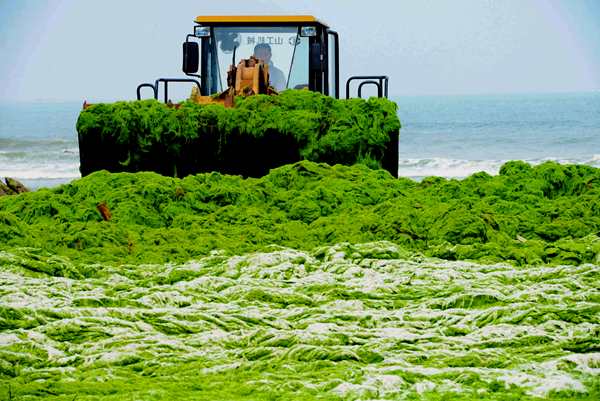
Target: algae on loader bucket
(260,133)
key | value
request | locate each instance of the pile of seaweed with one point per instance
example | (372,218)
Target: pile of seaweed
(259,133)
(548,214)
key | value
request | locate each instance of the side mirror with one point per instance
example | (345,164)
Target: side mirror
(191,57)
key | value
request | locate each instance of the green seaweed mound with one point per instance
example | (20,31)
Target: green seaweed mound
(259,133)
(547,214)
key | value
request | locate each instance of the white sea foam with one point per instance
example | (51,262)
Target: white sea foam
(442,167)
(66,166)
(459,168)
(41,171)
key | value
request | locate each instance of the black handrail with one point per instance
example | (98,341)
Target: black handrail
(146,85)
(336,41)
(363,83)
(166,82)
(381,81)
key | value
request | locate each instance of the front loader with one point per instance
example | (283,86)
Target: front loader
(265,92)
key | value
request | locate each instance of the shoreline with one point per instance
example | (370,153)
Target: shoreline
(405,164)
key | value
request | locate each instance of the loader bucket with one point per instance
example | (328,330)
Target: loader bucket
(259,133)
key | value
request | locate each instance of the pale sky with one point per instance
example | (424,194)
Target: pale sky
(101,50)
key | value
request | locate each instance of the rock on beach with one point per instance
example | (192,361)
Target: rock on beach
(10,186)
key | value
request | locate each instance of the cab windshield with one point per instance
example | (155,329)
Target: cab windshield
(282,48)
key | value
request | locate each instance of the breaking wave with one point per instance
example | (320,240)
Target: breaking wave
(458,168)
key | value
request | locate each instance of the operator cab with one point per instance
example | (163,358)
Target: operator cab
(302,52)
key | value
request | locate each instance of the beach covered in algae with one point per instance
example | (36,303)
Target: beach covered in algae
(546,214)
(312,282)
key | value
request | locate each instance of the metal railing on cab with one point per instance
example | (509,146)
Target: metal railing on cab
(165,81)
(381,82)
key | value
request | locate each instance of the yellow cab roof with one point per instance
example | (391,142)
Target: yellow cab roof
(257,19)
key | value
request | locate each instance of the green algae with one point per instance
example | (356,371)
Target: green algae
(546,214)
(351,322)
(259,133)
(220,287)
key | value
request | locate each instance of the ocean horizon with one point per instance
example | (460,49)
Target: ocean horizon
(450,136)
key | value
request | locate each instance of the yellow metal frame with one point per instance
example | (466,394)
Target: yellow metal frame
(260,19)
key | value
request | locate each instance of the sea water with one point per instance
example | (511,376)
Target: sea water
(449,136)
(38,142)
(455,136)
